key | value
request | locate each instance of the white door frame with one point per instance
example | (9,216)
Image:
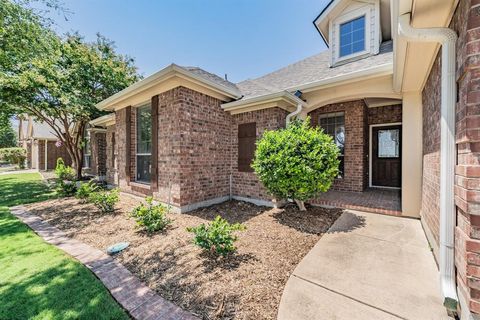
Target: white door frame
(370,131)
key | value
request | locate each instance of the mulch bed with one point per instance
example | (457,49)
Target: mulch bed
(245,285)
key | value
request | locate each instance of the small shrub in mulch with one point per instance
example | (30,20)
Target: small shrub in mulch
(217,236)
(151,217)
(105,200)
(86,189)
(65,184)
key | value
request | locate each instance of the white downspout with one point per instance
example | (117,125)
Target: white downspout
(447,38)
(294,113)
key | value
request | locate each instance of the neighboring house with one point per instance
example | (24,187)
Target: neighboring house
(39,141)
(402,120)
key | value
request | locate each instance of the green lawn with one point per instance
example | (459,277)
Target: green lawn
(37,280)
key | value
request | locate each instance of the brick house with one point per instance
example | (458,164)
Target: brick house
(406,123)
(40,143)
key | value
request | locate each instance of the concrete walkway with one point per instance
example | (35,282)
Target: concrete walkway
(368,266)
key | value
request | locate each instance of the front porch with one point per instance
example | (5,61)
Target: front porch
(384,201)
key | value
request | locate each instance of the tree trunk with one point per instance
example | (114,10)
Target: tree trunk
(301,205)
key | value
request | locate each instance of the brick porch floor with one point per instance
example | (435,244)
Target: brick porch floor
(384,201)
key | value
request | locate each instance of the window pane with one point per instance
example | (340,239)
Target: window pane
(333,124)
(352,36)
(144,130)
(388,143)
(358,46)
(143,168)
(346,50)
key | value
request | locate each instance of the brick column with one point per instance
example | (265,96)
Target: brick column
(467,186)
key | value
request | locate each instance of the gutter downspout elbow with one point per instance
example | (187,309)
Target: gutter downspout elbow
(447,38)
(293,114)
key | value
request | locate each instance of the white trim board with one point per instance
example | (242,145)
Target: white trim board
(370,131)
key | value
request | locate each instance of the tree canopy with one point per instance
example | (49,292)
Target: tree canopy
(297,162)
(57,79)
(8,138)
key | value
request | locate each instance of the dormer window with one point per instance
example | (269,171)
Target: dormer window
(354,31)
(352,36)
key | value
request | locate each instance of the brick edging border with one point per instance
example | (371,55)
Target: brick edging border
(135,297)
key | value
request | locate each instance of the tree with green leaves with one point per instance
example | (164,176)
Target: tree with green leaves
(8,137)
(296,163)
(57,80)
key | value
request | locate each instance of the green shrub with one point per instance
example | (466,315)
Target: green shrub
(152,217)
(65,188)
(64,172)
(86,189)
(15,156)
(104,200)
(296,163)
(216,236)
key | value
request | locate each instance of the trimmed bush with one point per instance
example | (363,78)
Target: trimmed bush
(64,172)
(105,201)
(216,237)
(151,217)
(296,163)
(15,156)
(86,189)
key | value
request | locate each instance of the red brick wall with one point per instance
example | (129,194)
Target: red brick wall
(193,148)
(98,153)
(53,153)
(385,114)
(111,152)
(356,139)
(204,138)
(467,190)
(466,22)
(246,184)
(430,211)
(120,128)
(41,154)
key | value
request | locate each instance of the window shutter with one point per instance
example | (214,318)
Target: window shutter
(247,135)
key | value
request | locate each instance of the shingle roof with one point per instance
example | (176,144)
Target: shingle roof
(42,131)
(212,77)
(314,68)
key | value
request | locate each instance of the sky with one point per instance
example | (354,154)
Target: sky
(241,38)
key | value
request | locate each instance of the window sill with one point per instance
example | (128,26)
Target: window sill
(142,185)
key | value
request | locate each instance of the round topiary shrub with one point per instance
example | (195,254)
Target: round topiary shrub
(296,163)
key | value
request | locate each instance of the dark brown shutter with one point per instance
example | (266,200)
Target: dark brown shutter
(113,151)
(128,142)
(154,175)
(247,134)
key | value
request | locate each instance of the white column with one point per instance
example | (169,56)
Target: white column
(46,154)
(412,154)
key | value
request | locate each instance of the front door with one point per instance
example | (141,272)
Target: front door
(386,156)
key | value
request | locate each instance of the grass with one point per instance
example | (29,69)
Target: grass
(22,188)
(37,280)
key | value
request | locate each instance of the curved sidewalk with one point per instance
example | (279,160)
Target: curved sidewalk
(140,301)
(367,266)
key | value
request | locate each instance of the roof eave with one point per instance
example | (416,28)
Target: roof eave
(332,4)
(160,76)
(271,97)
(103,120)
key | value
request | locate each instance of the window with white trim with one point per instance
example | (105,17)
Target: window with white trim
(144,143)
(333,124)
(352,36)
